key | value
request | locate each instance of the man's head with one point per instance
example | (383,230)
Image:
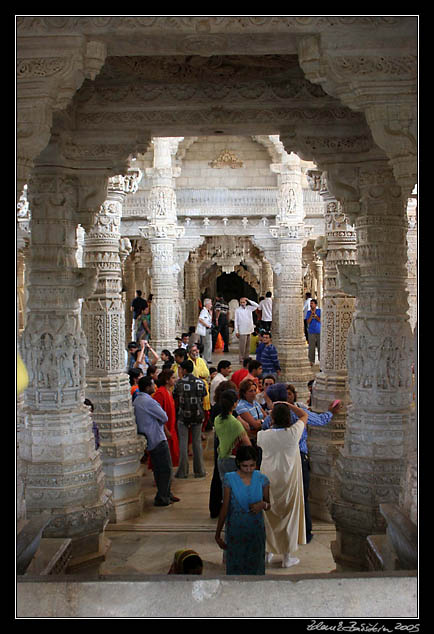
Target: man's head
(224,367)
(246,362)
(277,392)
(184,337)
(186,367)
(243,302)
(132,347)
(193,351)
(254,367)
(146,384)
(313,304)
(266,338)
(180,355)
(207,303)
(139,293)
(267,381)
(268,294)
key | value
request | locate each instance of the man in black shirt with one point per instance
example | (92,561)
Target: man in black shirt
(221,321)
(137,305)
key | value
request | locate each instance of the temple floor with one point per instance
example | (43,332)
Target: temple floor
(146,545)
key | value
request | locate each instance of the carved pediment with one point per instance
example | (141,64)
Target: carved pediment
(226,158)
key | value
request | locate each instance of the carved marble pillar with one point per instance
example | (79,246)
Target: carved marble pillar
(107,382)
(266,277)
(288,328)
(192,290)
(380,353)
(162,233)
(63,472)
(129,285)
(339,248)
(319,276)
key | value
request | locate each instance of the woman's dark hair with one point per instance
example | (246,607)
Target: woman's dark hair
(222,387)
(134,373)
(163,377)
(170,361)
(245,452)
(151,370)
(193,562)
(281,415)
(227,401)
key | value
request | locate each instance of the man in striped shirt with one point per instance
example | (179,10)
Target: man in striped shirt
(269,358)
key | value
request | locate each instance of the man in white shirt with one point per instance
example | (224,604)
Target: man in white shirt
(224,369)
(203,328)
(244,326)
(266,308)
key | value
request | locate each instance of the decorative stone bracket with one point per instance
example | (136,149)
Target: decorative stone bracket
(348,278)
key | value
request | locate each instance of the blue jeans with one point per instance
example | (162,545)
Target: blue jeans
(162,466)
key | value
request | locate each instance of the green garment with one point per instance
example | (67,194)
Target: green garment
(229,432)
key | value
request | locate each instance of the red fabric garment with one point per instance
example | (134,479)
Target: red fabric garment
(165,399)
(239,375)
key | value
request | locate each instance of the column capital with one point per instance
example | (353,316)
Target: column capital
(382,84)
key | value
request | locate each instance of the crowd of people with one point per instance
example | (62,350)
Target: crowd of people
(260,483)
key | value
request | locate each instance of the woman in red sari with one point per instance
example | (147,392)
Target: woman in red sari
(163,395)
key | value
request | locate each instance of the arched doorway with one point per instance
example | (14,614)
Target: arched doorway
(232,286)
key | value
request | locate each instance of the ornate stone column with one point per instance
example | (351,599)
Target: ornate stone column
(163,233)
(63,472)
(107,382)
(339,248)
(266,277)
(192,290)
(380,353)
(288,329)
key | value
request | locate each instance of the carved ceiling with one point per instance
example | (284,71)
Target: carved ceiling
(199,96)
(239,75)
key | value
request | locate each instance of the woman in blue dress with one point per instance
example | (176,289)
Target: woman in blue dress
(246,494)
